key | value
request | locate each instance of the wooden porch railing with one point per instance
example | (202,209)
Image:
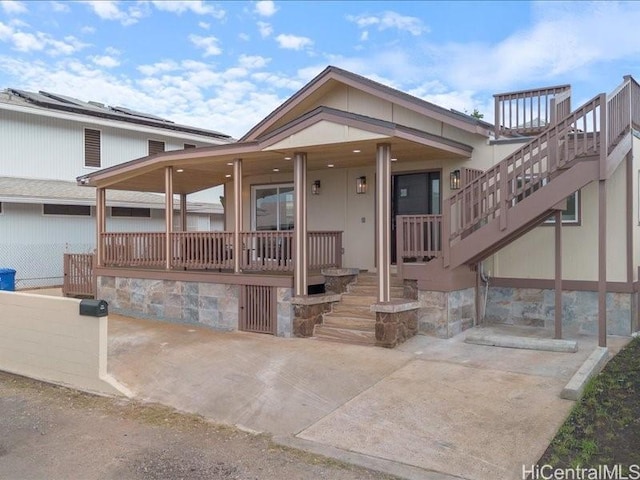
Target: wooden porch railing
(79,277)
(139,249)
(325,250)
(203,250)
(418,236)
(267,251)
(260,251)
(529,112)
(525,171)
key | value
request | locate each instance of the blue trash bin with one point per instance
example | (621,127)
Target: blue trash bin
(8,279)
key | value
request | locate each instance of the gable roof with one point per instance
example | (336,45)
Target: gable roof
(332,74)
(56,102)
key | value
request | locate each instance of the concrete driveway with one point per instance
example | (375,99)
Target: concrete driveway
(431,409)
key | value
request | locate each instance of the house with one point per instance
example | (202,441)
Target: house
(46,141)
(531,221)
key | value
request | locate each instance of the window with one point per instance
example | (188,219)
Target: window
(130,212)
(91,148)
(189,145)
(571,215)
(155,147)
(272,207)
(532,183)
(74,210)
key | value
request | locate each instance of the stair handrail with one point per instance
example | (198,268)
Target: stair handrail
(619,112)
(526,169)
(513,110)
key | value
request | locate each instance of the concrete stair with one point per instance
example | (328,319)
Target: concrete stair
(351,320)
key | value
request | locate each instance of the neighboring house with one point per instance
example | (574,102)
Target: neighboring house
(462,221)
(46,141)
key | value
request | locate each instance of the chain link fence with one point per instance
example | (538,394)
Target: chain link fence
(39,265)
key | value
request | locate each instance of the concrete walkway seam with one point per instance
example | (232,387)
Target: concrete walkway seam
(378,464)
(590,368)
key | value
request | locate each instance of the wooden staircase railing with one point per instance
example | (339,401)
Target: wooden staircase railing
(600,130)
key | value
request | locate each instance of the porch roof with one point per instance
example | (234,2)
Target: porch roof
(327,135)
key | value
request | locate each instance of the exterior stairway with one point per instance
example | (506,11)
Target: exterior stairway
(351,320)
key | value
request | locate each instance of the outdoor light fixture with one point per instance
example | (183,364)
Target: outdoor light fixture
(315,187)
(454,180)
(361,185)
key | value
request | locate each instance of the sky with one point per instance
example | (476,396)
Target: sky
(226,65)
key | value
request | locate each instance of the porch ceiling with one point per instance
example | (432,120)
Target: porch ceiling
(212,170)
(327,136)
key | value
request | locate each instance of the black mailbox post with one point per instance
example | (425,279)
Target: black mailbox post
(94,308)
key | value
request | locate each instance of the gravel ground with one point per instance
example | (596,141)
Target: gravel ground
(51,432)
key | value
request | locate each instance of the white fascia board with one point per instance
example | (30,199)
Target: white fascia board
(90,120)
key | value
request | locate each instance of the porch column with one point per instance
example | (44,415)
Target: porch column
(237,213)
(602,264)
(558,280)
(300,222)
(168,213)
(101,224)
(383,219)
(183,212)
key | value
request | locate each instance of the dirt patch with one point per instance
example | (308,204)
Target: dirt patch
(604,426)
(54,432)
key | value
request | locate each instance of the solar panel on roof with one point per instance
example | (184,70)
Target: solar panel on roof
(134,113)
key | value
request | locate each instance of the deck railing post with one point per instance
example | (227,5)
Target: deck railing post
(504,188)
(237,215)
(300,257)
(100,224)
(168,193)
(399,244)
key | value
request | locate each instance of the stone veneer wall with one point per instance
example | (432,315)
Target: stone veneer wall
(285,312)
(536,307)
(445,314)
(210,304)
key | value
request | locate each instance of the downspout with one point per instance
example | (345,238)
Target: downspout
(484,276)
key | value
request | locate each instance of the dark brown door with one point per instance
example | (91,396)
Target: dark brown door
(413,194)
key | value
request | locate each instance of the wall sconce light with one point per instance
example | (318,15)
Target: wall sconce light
(454,180)
(361,185)
(315,187)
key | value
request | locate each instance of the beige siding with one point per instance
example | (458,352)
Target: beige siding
(532,256)
(46,338)
(323,133)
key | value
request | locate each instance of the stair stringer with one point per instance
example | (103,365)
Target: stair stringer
(522,217)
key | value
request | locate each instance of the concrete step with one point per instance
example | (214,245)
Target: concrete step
(343,335)
(357,289)
(372,279)
(351,323)
(360,311)
(353,299)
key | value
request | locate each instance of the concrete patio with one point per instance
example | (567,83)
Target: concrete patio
(432,409)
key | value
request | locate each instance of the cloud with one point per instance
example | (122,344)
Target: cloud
(265,29)
(159,67)
(60,7)
(88,29)
(28,42)
(265,8)
(194,6)
(110,10)
(253,61)
(293,42)
(106,61)
(13,7)
(204,25)
(208,44)
(390,20)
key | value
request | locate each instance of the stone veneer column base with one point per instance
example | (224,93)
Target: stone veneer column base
(308,311)
(336,280)
(446,314)
(396,321)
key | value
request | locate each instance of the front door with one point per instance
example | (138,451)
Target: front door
(413,194)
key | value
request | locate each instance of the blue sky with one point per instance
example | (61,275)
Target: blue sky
(226,65)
